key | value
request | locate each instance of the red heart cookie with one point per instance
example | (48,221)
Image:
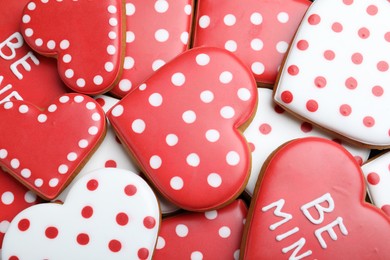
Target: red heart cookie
(214,234)
(309,204)
(24,75)
(44,149)
(156,32)
(257,31)
(182,126)
(84,36)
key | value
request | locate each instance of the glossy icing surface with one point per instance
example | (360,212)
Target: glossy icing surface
(182,124)
(337,70)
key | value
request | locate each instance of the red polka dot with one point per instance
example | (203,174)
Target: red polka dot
(377,91)
(369,121)
(358,159)
(82,239)
(373,178)
(115,246)
(23,224)
(293,70)
(345,110)
(386,209)
(314,19)
(87,212)
(130,190)
(348,2)
(110,164)
(372,10)
(387,36)
(143,253)
(306,127)
(320,82)
(92,185)
(312,105)
(265,129)
(329,55)
(357,58)
(287,97)
(149,222)
(351,83)
(13,258)
(252,147)
(302,45)
(364,33)
(382,66)
(278,109)
(51,232)
(122,219)
(337,27)
(100,101)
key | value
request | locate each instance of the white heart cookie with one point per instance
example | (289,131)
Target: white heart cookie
(337,70)
(108,214)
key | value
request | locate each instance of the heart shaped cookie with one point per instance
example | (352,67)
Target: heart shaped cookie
(183,127)
(214,234)
(309,204)
(337,70)
(257,31)
(44,149)
(24,75)
(156,32)
(84,36)
(108,214)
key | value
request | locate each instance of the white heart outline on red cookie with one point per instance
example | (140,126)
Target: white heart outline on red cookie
(109,214)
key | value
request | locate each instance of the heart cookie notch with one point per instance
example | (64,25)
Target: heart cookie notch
(309,204)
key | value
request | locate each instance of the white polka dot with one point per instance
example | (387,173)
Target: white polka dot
(214,180)
(282,47)
(207,96)
(155,99)
(42,118)
(155,162)
(257,44)
(157,64)
(62,169)
(26,18)
(161,6)
(125,85)
(7,198)
(226,77)
(184,37)
(29,32)
(244,94)
(189,116)
(112,9)
(67,58)
(90,105)
(202,59)
(53,182)
(178,79)
(98,80)
(130,9)
(171,139)
(117,110)
(256,18)
(130,36)
(232,158)
(3,153)
(31,6)
(196,255)
(204,21)
(129,63)
(161,35)
(227,112)
(64,99)
(64,44)
(93,130)
(109,66)
(224,232)
(30,197)
(38,182)
(231,45)
(83,143)
(80,82)
(78,99)
(26,173)
(188,9)
(283,17)
(236,254)
(96,117)
(112,35)
(113,21)
(23,109)
(51,44)
(69,73)
(212,135)
(39,42)
(4,227)
(193,160)
(257,68)
(142,87)
(8,105)
(181,230)
(52,108)
(212,214)
(111,49)
(229,20)
(138,126)
(160,243)
(72,156)
(15,163)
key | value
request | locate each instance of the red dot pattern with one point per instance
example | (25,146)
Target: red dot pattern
(51,232)
(130,190)
(143,253)
(115,245)
(87,212)
(149,222)
(92,185)
(23,224)
(122,219)
(373,178)
(82,239)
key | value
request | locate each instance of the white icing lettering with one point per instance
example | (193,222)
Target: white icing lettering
(298,246)
(320,209)
(329,229)
(23,61)
(11,45)
(287,234)
(13,94)
(278,212)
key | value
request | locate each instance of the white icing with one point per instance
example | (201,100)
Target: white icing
(320,209)
(11,45)
(24,63)
(287,234)
(298,246)
(329,229)
(278,212)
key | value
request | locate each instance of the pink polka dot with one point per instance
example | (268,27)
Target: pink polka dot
(348,2)
(114,245)
(337,27)
(387,36)
(382,66)
(372,10)
(329,55)
(252,147)
(314,19)
(265,129)
(101,101)
(312,105)
(345,110)
(386,209)
(122,219)
(110,164)
(357,58)
(23,224)
(92,185)
(287,97)
(364,33)
(369,121)
(143,253)
(130,190)
(82,239)
(302,45)
(87,212)
(293,70)
(358,159)
(320,82)
(51,232)
(377,91)
(149,222)
(373,178)
(351,83)
(306,127)
(278,109)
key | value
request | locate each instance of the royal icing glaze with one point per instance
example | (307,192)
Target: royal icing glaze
(321,216)
(272,126)
(213,234)
(108,214)
(24,75)
(257,31)
(84,36)
(156,32)
(377,176)
(182,126)
(336,71)
(44,149)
